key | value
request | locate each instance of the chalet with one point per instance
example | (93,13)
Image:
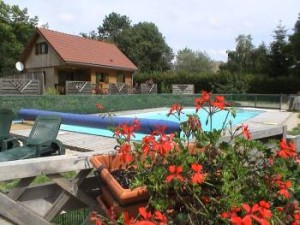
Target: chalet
(61,57)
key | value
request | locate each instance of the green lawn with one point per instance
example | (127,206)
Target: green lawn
(296,130)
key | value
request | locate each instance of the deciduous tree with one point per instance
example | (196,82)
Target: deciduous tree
(112,27)
(146,47)
(16,27)
(191,61)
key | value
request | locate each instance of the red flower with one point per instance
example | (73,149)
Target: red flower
(127,130)
(199,102)
(175,173)
(161,218)
(164,144)
(246,131)
(146,217)
(100,106)
(175,108)
(127,219)
(193,123)
(147,143)
(198,177)
(259,212)
(125,151)
(284,192)
(219,102)
(287,150)
(241,221)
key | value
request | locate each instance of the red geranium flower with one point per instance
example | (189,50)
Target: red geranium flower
(175,173)
(246,131)
(198,177)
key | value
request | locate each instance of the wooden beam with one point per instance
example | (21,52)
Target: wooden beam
(20,188)
(70,189)
(264,133)
(18,213)
(45,165)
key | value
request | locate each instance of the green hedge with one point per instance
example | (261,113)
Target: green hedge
(87,104)
(223,82)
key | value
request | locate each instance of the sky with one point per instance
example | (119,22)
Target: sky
(209,26)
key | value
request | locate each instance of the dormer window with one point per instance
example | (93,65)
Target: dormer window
(41,48)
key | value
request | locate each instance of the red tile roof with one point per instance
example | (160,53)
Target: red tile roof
(78,50)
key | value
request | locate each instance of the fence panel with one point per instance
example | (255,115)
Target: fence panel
(20,87)
(118,88)
(183,89)
(79,88)
(148,89)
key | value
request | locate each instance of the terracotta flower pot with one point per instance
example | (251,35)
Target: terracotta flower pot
(114,195)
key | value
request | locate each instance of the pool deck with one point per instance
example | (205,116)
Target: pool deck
(79,142)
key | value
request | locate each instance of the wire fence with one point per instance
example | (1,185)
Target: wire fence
(75,217)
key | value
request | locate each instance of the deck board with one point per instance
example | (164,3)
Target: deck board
(79,141)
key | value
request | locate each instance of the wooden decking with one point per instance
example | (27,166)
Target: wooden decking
(74,141)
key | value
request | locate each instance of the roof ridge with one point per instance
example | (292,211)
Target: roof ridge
(74,35)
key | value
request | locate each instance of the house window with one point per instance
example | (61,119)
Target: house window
(41,48)
(102,78)
(120,78)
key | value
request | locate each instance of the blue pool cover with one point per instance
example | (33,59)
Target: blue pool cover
(147,126)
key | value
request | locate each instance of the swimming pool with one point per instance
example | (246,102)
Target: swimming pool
(218,119)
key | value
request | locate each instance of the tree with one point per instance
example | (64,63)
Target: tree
(188,60)
(279,61)
(146,47)
(113,25)
(295,48)
(260,59)
(241,59)
(16,27)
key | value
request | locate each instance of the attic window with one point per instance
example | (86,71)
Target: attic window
(41,48)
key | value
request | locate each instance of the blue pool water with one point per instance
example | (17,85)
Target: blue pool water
(218,120)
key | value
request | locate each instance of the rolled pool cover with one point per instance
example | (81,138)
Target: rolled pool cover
(147,126)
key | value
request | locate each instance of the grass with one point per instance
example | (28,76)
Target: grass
(296,130)
(41,179)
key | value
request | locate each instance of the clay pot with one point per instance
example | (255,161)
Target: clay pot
(113,194)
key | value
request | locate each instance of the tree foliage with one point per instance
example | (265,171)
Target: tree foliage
(112,27)
(279,60)
(142,43)
(294,40)
(192,61)
(16,27)
(241,59)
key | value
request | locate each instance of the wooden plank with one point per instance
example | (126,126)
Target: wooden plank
(18,213)
(20,188)
(69,188)
(272,132)
(43,165)
(5,221)
(51,191)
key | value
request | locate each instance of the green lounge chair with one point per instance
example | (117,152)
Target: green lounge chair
(6,140)
(40,142)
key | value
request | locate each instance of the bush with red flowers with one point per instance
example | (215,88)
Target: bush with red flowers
(198,178)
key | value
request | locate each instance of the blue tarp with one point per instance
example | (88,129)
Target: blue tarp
(147,126)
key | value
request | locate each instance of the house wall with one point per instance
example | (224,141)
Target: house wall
(112,76)
(43,63)
(42,60)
